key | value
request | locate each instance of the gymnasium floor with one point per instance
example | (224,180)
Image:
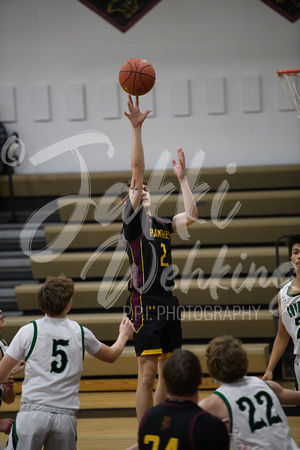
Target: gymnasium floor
(106,420)
(120,433)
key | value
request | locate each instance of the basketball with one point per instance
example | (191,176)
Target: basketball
(137,76)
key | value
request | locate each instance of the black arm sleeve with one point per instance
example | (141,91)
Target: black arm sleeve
(132,221)
(212,433)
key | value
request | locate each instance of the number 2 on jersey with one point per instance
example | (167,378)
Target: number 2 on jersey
(163,261)
(259,397)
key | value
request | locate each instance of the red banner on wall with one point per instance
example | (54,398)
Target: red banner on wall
(120,13)
(290,9)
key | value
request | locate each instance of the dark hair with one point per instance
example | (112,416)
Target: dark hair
(182,373)
(226,360)
(292,240)
(125,188)
(56,293)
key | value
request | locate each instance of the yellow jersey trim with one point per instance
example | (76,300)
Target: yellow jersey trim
(156,351)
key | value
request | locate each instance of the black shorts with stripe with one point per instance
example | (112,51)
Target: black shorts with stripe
(157,323)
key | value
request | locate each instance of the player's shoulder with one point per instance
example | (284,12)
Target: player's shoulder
(211,418)
(210,400)
(163,221)
(214,404)
(31,325)
(285,287)
(273,386)
(27,330)
(208,421)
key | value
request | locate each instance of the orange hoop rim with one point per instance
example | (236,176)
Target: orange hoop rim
(281,73)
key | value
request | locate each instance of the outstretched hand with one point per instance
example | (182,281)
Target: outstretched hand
(126,327)
(134,114)
(5,425)
(9,383)
(268,375)
(179,168)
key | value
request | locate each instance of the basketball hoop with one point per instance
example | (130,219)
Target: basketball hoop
(291,84)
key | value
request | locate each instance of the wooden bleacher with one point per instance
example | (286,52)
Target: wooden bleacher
(260,256)
(191,292)
(238,231)
(199,324)
(127,363)
(226,276)
(255,203)
(245,178)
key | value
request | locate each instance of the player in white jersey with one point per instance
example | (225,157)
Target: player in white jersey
(3,347)
(289,316)
(53,348)
(253,406)
(3,344)
(7,392)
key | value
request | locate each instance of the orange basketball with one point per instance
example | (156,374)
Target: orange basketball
(137,76)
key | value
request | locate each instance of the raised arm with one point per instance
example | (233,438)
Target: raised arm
(190,215)
(111,354)
(286,396)
(279,346)
(137,152)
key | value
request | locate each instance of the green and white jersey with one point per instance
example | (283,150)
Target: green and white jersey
(53,350)
(290,308)
(3,348)
(256,415)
